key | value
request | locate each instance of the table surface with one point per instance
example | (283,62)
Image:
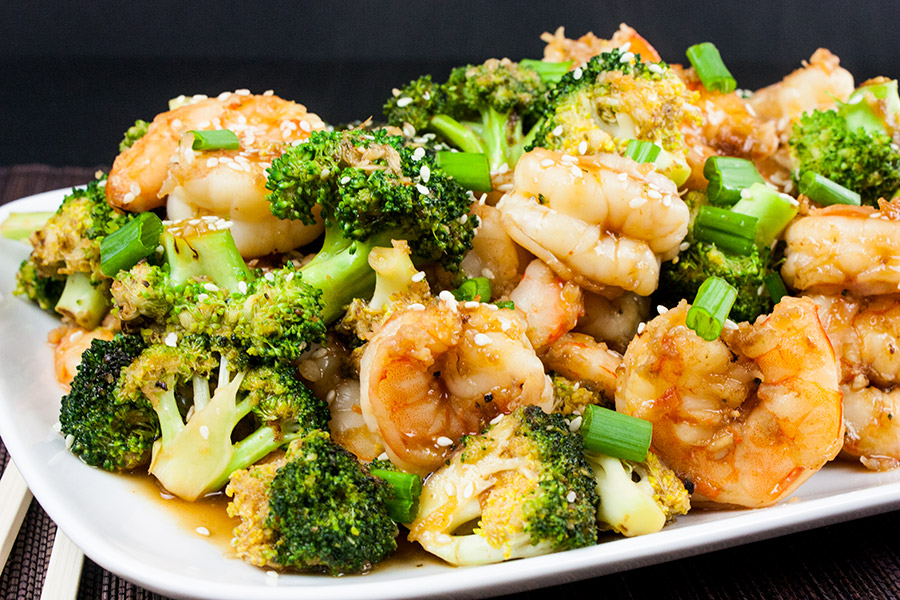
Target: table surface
(858,559)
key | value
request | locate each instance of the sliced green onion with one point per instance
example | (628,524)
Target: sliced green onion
(710,309)
(406,488)
(615,434)
(506,304)
(471,289)
(470,169)
(727,176)
(642,151)
(825,191)
(123,248)
(215,139)
(732,232)
(550,72)
(773,209)
(775,286)
(713,73)
(20,225)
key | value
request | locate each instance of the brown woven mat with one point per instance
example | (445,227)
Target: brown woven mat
(855,560)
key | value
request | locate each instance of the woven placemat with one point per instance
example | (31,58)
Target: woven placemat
(854,560)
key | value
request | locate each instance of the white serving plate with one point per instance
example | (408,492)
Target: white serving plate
(127,531)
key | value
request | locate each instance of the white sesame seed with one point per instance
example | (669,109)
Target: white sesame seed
(497,419)
(223,96)
(582,147)
(305,126)
(171,339)
(75,335)
(70,439)
(135,189)
(662,309)
(204,432)
(625,47)
(487,273)
(418,153)
(383,456)
(444,441)
(548,162)
(242,92)
(571,496)
(395,92)
(503,168)
(471,304)
(626,57)
(272,574)
(577,73)
(622,176)
(654,68)
(575,424)
(404,101)
(212,162)
(416,306)
(269,276)
(557,130)
(576,172)
(345,180)
(202,297)
(330,396)
(446,296)
(482,339)
(641,326)
(684,246)
(654,194)
(202,531)
(730,324)
(468,491)
(210,287)
(269,93)
(425,173)
(422,189)
(128,197)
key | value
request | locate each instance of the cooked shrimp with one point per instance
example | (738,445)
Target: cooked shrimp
(746,418)
(865,334)
(560,48)
(551,305)
(71,342)
(845,248)
(581,358)
(494,254)
(431,375)
(614,321)
(225,183)
(598,221)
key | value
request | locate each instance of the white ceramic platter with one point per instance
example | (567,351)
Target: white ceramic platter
(124,529)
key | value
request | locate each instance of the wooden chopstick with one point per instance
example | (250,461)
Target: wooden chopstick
(64,571)
(15,498)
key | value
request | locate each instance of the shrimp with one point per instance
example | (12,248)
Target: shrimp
(845,248)
(494,254)
(746,418)
(552,305)
(71,342)
(865,334)
(431,375)
(601,221)
(561,49)
(581,358)
(162,169)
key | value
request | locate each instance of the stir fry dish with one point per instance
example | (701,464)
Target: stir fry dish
(532,306)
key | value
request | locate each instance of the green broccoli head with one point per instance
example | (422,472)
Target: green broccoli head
(40,289)
(317,509)
(371,188)
(416,103)
(526,484)
(867,162)
(615,97)
(70,240)
(501,85)
(637,498)
(103,427)
(133,134)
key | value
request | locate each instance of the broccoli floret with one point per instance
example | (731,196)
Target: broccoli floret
(370,189)
(613,98)
(572,397)
(203,286)
(682,278)
(529,491)
(102,427)
(637,497)
(218,412)
(866,162)
(67,248)
(491,108)
(315,509)
(133,134)
(42,290)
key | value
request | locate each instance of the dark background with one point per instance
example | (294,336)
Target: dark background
(75,74)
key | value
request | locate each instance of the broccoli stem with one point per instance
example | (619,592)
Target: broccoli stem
(166,407)
(210,254)
(495,137)
(20,225)
(458,134)
(341,270)
(83,302)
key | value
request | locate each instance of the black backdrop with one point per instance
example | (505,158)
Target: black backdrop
(75,74)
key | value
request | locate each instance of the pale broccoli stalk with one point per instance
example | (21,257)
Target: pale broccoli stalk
(84,302)
(637,498)
(525,485)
